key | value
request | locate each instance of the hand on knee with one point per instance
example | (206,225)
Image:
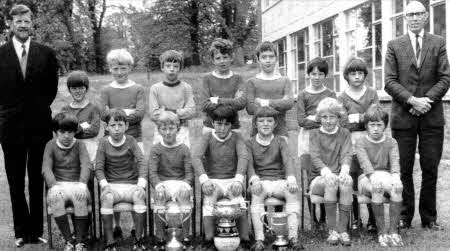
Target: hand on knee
(235,189)
(107,199)
(183,195)
(256,187)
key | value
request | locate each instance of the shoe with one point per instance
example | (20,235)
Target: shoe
(371,228)
(111,247)
(396,240)
(355,224)
(187,244)
(19,242)
(244,246)
(344,238)
(68,247)
(403,224)
(295,245)
(139,245)
(333,237)
(258,246)
(208,246)
(383,239)
(433,226)
(80,247)
(160,245)
(117,232)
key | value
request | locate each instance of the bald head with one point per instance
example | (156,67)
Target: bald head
(416,16)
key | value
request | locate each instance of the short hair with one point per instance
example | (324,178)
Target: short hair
(19,9)
(266,46)
(78,79)
(116,114)
(355,64)
(65,121)
(119,56)
(375,113)
(172,56)
(320,63)
(224,112)
(168,118)
(266,111)
(330,105)
(224,46)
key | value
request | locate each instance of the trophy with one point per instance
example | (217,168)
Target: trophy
(277,223)
(174,219)
(227,237)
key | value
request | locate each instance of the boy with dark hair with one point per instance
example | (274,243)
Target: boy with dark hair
(122,175)
(356,99)
(66,169)
(221,86)
(269,88)
(88,114)
(171,175)
(379,158)
(172,95)
(220,162)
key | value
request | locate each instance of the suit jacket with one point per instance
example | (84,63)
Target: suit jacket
(403,79)
(25,103)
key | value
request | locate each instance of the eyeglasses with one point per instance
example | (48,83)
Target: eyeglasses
(418,14)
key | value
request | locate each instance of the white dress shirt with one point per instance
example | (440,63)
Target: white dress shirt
(412,37)
(18,47)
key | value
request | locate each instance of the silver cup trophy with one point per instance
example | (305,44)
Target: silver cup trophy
(227,237)
(278,224)
(174,219)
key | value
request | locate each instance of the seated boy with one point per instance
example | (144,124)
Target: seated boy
(122,175)
(220,162)
(271,175)
(66,169)
(87,113)
(171,175)
(331,156)
(379,158)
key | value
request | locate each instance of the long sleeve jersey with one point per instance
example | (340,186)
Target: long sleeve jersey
(220,159)
(359,106)
(120,164)
(280,96)
(130,97)
(307,105)
(230,92)
(378,156)
(89,114)
(66,164)
(271,162)
(330,150)
(170,163)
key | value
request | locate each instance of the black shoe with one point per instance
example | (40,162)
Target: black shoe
(160,245)
(403,224)
(187,244)
(117,232)
(19,242)
(355,225)
(372,228)
(111,247)
(258,246)
(139,245)
(295,245)
(433,226)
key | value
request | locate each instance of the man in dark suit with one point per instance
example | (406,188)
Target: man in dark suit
(417,76)
(28,86)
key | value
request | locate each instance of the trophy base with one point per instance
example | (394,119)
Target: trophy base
(226,243)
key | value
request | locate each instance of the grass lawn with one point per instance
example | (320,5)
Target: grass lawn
(415,239)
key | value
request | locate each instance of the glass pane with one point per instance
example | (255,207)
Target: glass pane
(398,6)
(397,24)
(377,9)
(327,35)
(336,53)
(378,44)
(294,61)
(307,52)
(367,56)
(300,47)
(282,71)
(295,87)
(378,79)
(337,83)
(351,43)
(280,52)
(350,19)
(329,80)
(301,76)
(364,25)
(293,38)
(439,20)
(317,32)
(317,49)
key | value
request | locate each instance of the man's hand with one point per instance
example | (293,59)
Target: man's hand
(256,187)
(214,100)
(311,117)
(208,187)
(422,105)
(81,193)
(292,185)
(142,183)
(236,188)
(345,178)
(415,112)
(330,178)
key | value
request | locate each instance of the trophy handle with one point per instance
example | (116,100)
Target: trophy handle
(187,217)
(262,220)
(159,212)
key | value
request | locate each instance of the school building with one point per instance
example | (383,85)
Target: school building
(340,29)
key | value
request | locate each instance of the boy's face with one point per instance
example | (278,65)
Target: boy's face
(168,133)
(267,61)
(222,128)
(375,129)
(78,93)
(356,78)
(65,137)
(317,78)
(170,70)
(265,125)
(120,72)
(117,129)
(329,121)
(222,62)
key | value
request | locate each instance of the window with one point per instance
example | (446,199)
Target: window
(326,45)
(302,57)
(282,56)
(293,62)
(437,19)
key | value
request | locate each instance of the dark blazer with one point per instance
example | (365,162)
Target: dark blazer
(25,103)
(404,79)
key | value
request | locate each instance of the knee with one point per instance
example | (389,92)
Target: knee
(184,195)
(161,197)
(54,196)
(107,199)
(139,195)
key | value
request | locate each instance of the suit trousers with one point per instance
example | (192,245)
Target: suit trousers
(21,156)
(430,150)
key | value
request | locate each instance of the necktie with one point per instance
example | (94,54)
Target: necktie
(23,60)
(417,47)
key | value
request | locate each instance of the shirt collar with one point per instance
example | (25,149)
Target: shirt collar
(310,90)
(376,141)
(262,141)
(218,138)
(412,36)
(78,106)
(170,146)
(273,77)
(117,144)
(66,147)
(18,46)
(217,75)
(129,83)
(330,133)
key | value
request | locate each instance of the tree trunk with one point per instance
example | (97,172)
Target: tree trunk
(194,32)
